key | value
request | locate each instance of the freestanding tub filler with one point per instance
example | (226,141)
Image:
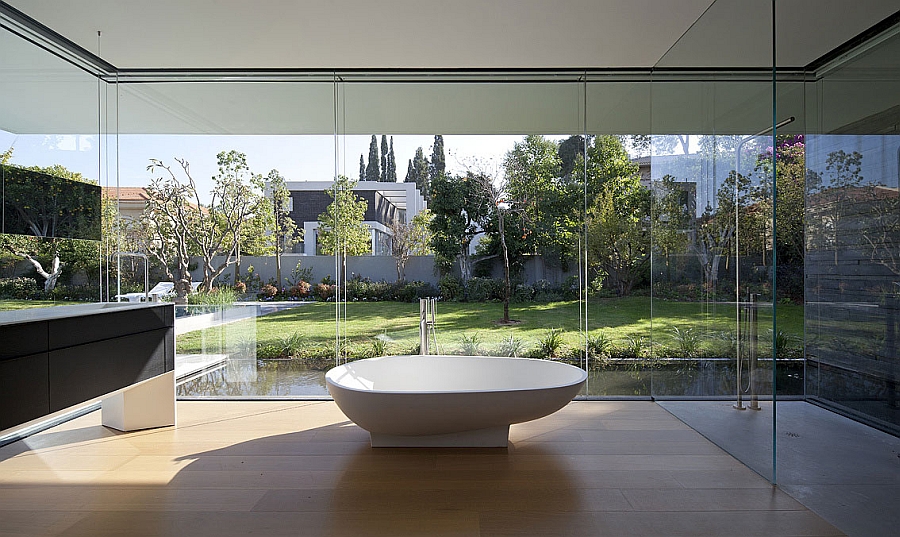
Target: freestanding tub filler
(449,401)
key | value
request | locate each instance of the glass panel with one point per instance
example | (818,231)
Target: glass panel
(50,157)
(222,172)
(712,263)
(473,158)
(616,252)
(853,236)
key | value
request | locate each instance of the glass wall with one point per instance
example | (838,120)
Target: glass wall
(853,234)
(712,263)
(662,229)
(52,162)
(239,167)
(498,161)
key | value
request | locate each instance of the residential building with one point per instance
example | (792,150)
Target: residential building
(385,203)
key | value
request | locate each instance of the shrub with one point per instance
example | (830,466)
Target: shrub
(485,289)
(469,345)
(267,292)
(292,346)
(19,288)
(598,346)
(724,344)
(219,296)
(510,346)
(84,293)
(300,289)
(324,291)
(634,347)
(570,288)
(379,347)
(451,288)
(522,293)
(687,342)
(300,274)
(240,287)
(551,344)
(544,291)
(252,279)
(269,352)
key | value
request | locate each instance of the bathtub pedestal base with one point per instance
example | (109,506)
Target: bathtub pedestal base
(491,437)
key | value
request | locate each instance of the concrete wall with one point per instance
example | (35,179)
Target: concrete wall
(376,268)
(382,268)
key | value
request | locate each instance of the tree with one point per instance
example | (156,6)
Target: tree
(618,230)
(409,239)
(54,205)
(169,222)
(285,229)
(410,173)
(663,144)
(209,230)
(568,151)
(532,172)
(385,173)
(497,195)
(362,168)
(438,162)
(789,240)
(638,145)
(714,231)
(420,174)
(833,191)
(606,160)
(341,228)
(392,163)
(372,171)
(460,211)
(671,214)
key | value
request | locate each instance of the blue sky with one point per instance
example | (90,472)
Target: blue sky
(298,158)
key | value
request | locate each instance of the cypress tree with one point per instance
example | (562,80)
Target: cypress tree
(410,173)
(392,163)
(372,171)
(438,164)
(362,168)
(384,156)
(420,172)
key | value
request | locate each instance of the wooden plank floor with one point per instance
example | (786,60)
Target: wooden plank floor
(300,468)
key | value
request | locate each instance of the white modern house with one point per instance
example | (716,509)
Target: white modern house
(385,201)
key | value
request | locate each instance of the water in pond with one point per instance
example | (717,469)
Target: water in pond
(291,378)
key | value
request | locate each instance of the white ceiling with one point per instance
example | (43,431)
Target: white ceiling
(40,93)
(346,34)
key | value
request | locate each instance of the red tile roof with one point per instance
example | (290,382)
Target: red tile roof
(126,193)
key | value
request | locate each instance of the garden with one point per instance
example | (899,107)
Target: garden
(620,328)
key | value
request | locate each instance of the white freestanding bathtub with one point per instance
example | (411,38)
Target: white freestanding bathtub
(449,401)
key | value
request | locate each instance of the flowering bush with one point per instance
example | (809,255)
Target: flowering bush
(300,290)
(324,291)
(240,287)
(268,292)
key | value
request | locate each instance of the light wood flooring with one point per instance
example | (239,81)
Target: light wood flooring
(300,468)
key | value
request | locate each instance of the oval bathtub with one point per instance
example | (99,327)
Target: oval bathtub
(449,401)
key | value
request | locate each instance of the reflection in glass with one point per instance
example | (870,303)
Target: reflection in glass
(853,269)
(43,205)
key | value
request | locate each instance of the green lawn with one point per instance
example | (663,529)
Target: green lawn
(620,319)
(6,305)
